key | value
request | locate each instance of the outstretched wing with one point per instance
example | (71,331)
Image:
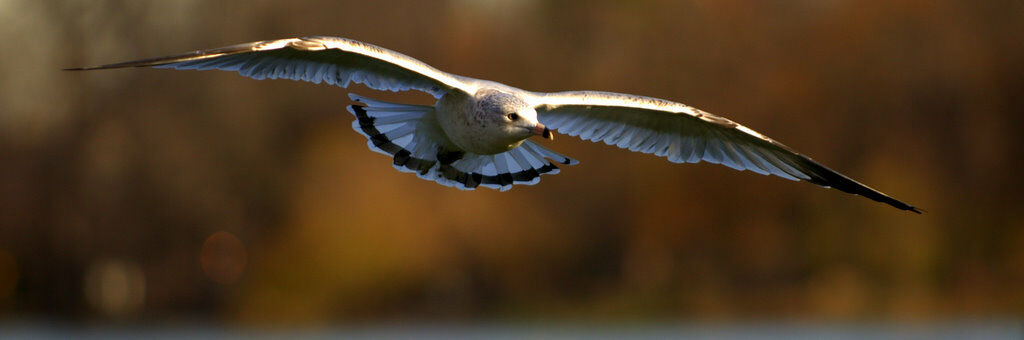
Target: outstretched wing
(336,61)
(685,134)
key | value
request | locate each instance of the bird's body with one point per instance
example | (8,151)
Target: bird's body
(477,133)
(469,122)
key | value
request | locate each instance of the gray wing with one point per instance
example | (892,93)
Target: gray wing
(685,134)
(336,61)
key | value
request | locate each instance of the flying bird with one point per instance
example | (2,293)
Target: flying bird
(478,132)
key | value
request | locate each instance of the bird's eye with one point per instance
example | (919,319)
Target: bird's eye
(512,116)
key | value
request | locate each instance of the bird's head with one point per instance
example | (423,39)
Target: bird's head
(511,117)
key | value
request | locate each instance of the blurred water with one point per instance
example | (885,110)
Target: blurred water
(950,330)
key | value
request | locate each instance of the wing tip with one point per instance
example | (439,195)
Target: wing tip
(853,187)
(127,64)
(914,209)
(171,59)
(99,67)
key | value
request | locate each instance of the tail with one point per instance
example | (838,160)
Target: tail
(397,130)
(409,135)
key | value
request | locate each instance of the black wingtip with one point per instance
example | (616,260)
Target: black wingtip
(102,67)
(139,63)
(823,176)
(893,202)
(99,67)
(90,68)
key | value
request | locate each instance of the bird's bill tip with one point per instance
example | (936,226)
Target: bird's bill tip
(543,131)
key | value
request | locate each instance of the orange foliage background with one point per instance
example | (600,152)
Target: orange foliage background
(130,171)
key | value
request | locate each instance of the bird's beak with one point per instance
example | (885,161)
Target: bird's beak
(543,131)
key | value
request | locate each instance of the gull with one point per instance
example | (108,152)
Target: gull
(478,131)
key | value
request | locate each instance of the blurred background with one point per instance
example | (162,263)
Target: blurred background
(146,195)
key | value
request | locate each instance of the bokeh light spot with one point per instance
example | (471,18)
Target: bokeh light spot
(115,288)
(223,257)
(8,274)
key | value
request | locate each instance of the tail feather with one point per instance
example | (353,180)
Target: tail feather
(403,132)
(392,129)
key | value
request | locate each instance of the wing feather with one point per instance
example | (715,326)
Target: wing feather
(683,133)
(336,61)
